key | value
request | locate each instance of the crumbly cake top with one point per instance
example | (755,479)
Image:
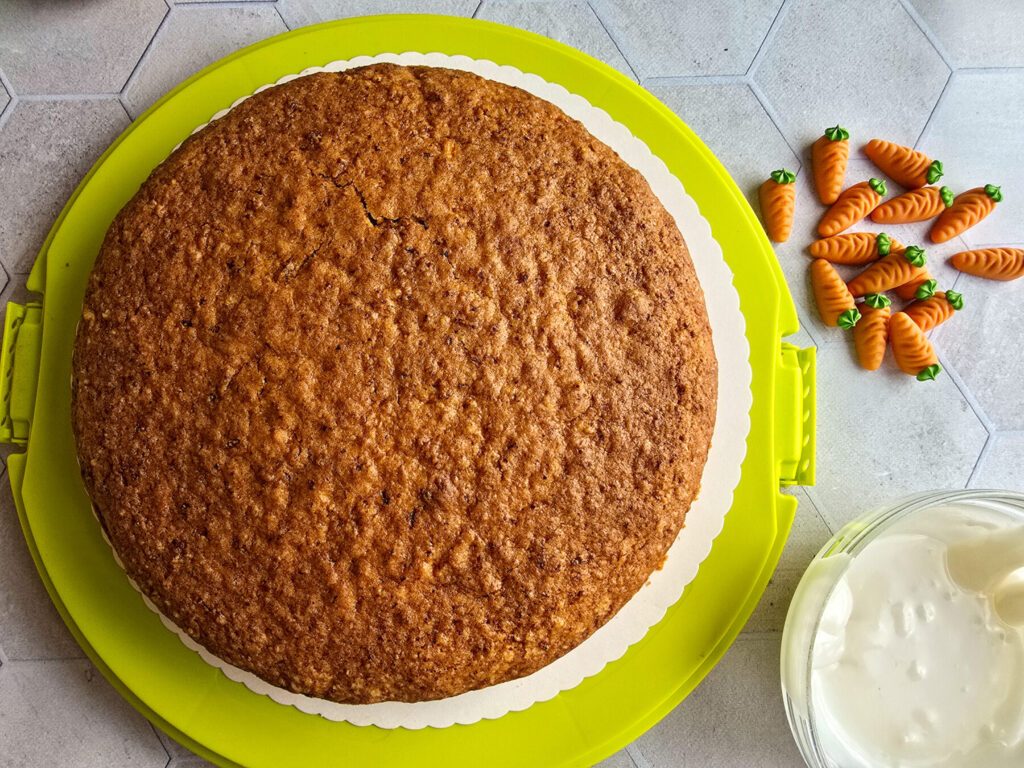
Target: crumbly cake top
(392,384)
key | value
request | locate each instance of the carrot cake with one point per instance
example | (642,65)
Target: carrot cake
(392,384)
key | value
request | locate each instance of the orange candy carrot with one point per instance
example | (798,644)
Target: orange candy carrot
(924,284)
(903,165)
(872,332)
(853,247)
(778,199)
(828,158)
(935,310)
(968,209)
(897,268)
(852,206)
(835,304)
(993,263)
(915,205)
(913,352)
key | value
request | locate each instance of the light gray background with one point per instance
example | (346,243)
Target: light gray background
(758,81)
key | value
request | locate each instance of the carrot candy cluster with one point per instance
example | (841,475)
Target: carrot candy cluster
(853,247)
(835,304)
(991,263)
(968,209)
(829,155)
(889,272)
(778,201)
(905,166)
(852,206)
(916,205)
(872,332)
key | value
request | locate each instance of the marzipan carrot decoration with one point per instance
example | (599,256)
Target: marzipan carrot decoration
(871,333)
(913,352)
(835,304)
(778,198)
(852,206)
(915,205)
(828,157)
(853,247)
(968,209)
(993,263)
(905,166)
(897,268)
(921,287)
(935,310)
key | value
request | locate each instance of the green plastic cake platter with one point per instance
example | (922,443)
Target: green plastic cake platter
(222,720)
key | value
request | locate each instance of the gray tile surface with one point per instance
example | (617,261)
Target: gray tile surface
(979,33)
(63,713)
(192,38)
(983,343)
(49,46)
(1001,466)
(731,121)
(734,718)
(46,147)
(572,23)
(975,126)
(299,13)
(835,62)
(918,435)
(755,100)
(668,38)
(5,99)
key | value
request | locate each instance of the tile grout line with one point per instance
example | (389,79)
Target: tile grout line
(615,41)
(769,37)
(12,99)
(669,80)
(156,734)
(37,97)
(965,392)
(476,11)
(935,108)
(979,463)
(927,32)
(145,53)
(762,97)
(622,53)
(277,10)
(811,493)
(637,756)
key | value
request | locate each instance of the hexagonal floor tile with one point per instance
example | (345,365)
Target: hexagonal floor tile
(735,717)
(45,149)
(982,342)
(731,121)
(818,43)
(572,23)
(981,33)
(1001,465)
(795,259)
(667,38)
(976,142)
(299,13)
(65,713)
(192,38)
(56,47)
(883,434)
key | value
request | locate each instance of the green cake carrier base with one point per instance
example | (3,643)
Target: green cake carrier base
(222,720)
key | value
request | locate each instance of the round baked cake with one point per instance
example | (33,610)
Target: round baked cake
(392,384)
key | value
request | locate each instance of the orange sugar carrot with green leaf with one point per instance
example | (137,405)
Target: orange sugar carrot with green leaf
(829,155)
(993,263)
(935,310)
(853,247)
(897,268)
(915,205)
(852,206)
(905,166)
(921,287)
(835,304)
(778,200)
(913,352)
(968,209)
(872,332)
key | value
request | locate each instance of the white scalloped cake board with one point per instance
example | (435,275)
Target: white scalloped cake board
(721,472)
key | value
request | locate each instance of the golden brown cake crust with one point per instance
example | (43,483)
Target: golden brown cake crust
(393,384)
